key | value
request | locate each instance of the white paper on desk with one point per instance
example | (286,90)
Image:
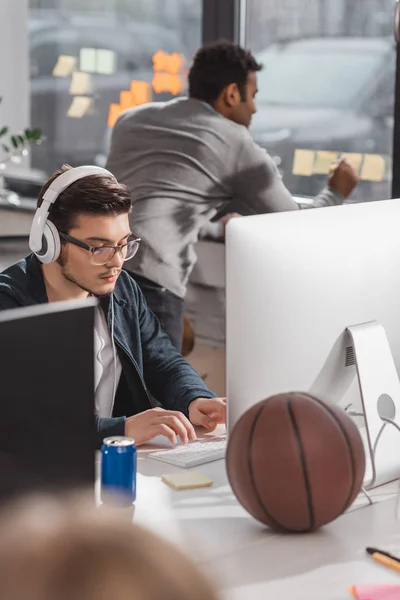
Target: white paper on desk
(328,583)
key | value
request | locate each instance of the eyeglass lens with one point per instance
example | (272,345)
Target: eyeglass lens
(102,256)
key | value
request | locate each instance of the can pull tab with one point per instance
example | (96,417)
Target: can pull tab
(397,22)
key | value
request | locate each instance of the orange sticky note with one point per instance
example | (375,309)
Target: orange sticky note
(173,63)
(163,82)
(158,60)
(126,99)
(170,63)
(114,112)
(141,92)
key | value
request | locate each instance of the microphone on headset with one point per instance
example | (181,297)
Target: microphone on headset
(114,349)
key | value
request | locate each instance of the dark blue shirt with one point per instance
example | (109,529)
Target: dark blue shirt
(153,372)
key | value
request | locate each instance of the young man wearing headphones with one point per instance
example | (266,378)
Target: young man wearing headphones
(80,238)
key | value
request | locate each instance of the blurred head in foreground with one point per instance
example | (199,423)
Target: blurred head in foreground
(66,549)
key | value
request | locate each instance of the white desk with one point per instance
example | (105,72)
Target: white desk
(248,561)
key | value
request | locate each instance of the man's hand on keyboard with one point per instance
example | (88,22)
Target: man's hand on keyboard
(208,412)
(158,421)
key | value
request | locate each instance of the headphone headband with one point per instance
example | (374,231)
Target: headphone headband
(69,177)
(43,230)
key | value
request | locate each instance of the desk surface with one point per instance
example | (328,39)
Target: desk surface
(248,561)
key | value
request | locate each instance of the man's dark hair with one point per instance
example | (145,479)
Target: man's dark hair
(216,66)
(91,195)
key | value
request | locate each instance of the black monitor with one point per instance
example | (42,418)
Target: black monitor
(47,432)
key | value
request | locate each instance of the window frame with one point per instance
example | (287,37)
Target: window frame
(227,19)
(223,19)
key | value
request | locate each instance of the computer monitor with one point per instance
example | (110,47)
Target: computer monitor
(296,282)
(47,434)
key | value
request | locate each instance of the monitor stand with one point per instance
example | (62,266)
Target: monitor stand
(363,352)
(380,399)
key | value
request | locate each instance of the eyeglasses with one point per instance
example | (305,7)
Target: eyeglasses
(101,255)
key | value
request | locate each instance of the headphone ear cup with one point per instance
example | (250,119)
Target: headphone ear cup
(51,244)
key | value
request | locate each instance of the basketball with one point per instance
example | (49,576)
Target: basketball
(295,462)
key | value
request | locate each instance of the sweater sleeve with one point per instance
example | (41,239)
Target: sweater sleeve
(108,427)
(169,377)
(7,298)
(258,183)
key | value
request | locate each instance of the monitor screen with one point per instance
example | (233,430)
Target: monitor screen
(47,397)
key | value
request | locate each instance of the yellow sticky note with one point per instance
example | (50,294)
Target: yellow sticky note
(80,106)
(81,84)
(374,167)
(187,481)
(303,162)
(87,60)
(324,161)
(106,62)
(64,66)
(354,158)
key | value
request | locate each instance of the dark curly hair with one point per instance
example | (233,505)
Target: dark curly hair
(91,195)
(216,66)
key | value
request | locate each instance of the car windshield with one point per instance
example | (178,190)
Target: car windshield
(315,77)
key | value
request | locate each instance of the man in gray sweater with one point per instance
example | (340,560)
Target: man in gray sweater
(185,160)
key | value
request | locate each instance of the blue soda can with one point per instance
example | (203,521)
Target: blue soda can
(118,470)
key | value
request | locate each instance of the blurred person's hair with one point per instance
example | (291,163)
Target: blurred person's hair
(67,549)
(215,66)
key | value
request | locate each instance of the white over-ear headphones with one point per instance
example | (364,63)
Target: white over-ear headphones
(44,239)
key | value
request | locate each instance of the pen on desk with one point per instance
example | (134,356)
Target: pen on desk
(385,559)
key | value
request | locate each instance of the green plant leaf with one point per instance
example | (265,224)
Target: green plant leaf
(6,148)
(14,141)
(3,131)
(33,135)
(36,133)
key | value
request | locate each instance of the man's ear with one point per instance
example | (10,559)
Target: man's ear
(231,95)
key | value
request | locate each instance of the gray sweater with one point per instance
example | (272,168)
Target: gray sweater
(183,163)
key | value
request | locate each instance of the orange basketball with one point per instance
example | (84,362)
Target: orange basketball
(295,462)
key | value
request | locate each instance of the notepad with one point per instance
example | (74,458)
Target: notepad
(187,481)
(376,592)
